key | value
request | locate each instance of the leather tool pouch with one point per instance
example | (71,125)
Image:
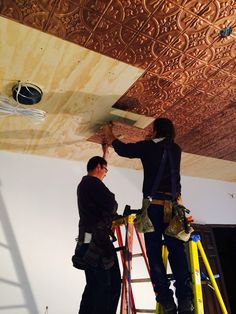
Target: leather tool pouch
(179,227)
(100,252)
(142,222)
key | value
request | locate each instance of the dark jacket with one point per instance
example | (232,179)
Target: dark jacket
(96,204)
(150,154)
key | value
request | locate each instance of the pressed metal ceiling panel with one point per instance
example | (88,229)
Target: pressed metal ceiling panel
(188,71)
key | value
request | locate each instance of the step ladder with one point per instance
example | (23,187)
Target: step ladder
(126,248)
(195,247)
(21,283)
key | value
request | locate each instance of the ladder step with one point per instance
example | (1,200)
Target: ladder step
(137,255)
(145,311)
(141,280)
(120,248)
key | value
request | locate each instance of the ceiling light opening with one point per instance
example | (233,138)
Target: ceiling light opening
(26,93)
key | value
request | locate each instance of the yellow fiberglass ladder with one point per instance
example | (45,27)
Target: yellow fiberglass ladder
(125,247)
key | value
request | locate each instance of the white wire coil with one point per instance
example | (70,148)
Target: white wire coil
(9,106)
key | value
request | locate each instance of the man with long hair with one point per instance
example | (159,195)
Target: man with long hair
(151,154)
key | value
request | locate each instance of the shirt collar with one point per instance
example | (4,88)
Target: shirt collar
(157,140)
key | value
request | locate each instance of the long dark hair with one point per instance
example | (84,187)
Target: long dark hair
(163,127)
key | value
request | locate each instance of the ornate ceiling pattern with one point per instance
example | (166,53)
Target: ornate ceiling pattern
(189,69)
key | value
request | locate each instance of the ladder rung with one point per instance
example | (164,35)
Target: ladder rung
(145,311)
(120,248)
(141,280)
(137,255)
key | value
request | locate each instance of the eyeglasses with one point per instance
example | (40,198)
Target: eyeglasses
(104,167)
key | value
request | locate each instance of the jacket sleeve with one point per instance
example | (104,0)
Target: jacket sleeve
(105,199)
(130,150)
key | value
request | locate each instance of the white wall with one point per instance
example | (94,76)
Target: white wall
(38,224)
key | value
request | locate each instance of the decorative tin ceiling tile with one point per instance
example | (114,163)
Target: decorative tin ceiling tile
(226,10)
(194,71)
(176,92)
(148,96)
(208,12)
(126,133)
(230,67)
(229,156)
(66,7)
(154,5)
(197,44)
(204,108)
(224,53)
(169,66)
(186,20)
(72,22)
(142,51)
(181,3)
(29,12)
(206,138)
(170,61)
(110,38)
(100,6)
(222,81)
(229,95)
(191,111)
(132,14)
(162,21)
(197,7)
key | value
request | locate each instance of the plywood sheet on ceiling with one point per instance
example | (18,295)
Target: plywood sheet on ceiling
(79,86)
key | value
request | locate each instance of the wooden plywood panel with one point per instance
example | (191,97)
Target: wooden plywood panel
(80,87)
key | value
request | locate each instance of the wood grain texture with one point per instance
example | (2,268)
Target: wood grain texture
(79,86)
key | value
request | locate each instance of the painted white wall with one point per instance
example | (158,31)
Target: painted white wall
(38,224)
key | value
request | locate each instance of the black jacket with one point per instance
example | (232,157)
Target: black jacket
(150,154)
(96,204)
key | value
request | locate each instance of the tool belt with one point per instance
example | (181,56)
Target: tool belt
(142,222)
(174,217)
(96,250)
(167,208)
(179,227)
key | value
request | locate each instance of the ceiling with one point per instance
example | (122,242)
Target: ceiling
(127,61)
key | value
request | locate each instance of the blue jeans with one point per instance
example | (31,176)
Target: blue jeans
(102,290)
(177,258)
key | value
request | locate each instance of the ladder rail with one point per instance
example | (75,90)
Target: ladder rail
(143,250)
(126,290)
(195,247)
(129,246)
(212,278)
(196,278)
(126,259)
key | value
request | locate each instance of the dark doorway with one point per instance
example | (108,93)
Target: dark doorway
(225,239)
(211,244)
